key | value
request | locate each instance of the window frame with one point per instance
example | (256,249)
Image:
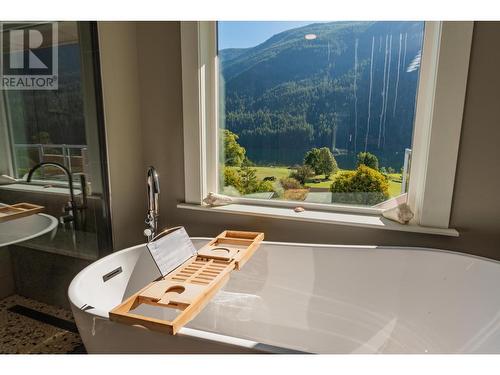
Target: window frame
(440,101)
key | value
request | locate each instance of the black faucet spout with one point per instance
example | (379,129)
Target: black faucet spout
(70,183)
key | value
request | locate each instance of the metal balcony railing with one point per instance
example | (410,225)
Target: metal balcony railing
(47,152)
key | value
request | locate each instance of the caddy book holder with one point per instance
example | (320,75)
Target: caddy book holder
(191,285)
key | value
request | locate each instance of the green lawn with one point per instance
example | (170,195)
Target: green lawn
(394,188)
(279,172)
(394,184)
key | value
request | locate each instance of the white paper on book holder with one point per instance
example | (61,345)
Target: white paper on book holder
(171,250)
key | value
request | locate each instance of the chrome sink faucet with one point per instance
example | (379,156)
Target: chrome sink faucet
(151,221)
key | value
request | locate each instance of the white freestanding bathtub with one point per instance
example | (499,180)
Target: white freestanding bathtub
(309,298)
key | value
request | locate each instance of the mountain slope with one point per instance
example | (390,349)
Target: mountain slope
(289,94)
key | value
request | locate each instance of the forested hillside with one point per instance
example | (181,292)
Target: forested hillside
(45,116)
(351,89)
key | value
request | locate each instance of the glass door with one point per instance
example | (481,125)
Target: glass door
(62,126)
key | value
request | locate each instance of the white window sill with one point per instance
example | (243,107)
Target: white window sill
(338,218)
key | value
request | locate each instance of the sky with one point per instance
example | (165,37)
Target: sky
(243,34)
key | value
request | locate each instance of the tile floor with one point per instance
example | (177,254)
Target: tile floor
(28,326)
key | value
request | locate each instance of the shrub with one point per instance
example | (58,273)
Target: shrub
(295,194)
(368,159)
(264,187)
(302,174)
(249,180)
(279,192)
(364,185)
(232,178)
(290,183)
(244,180)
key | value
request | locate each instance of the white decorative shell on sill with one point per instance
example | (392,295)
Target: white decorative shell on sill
(401,213)
(5,180)
(213,199)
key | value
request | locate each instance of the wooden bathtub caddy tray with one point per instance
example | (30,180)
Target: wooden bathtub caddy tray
(190,286)
(18,210)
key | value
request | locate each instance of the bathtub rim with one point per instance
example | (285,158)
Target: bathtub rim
(52,227)
(79,304)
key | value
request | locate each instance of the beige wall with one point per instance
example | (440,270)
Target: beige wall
(476,204)
(121,96)
(161,104)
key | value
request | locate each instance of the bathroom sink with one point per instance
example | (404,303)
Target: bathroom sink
(26,228)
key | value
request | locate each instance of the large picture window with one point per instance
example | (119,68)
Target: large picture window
(344,119)
(317,112)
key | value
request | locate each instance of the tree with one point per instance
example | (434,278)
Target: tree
(245,180)
(329,122)
(361,186)
(42,137)
(302,174)
(234,154)
(368,159)
(311,159)
(232,178)
(250,183)
(321,161)
(327,163)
